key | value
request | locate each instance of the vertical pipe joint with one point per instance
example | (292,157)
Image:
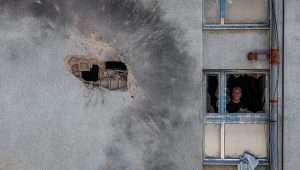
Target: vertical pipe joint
(274,59)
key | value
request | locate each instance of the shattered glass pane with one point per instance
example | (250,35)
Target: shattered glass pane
(252,93)
(212,93)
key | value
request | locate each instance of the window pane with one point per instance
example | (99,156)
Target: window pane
(240,138)
(246,11)
(212,11)
(212,140)
(246,93)
(212,93)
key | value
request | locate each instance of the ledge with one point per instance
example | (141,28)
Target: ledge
(236,27)
(252,118)
(262,162)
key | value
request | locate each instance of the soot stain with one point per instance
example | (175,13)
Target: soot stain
(165,80)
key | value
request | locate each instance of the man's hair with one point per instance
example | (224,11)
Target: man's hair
(236,88)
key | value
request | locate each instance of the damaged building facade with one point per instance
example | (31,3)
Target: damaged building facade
(149,84)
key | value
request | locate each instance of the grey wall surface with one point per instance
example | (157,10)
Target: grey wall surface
(232,48)
(50,121)
(291,86)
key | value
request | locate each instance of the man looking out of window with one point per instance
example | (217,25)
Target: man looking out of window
(235,105)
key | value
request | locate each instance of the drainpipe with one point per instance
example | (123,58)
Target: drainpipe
(274,62)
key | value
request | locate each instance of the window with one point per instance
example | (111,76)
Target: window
(252,88)
(236,13)
(222,86)
(111,75)
(237,117)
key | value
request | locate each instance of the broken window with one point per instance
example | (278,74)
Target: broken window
(252,88)
(212,93)
(111,75)
(235,92)
(245,128)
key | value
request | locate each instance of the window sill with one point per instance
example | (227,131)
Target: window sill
(261,26)
(252,118)
(262,162)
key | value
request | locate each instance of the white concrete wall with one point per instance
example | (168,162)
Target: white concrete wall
(291,85)
(48,120)
(232,48)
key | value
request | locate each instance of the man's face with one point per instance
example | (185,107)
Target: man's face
(236,94)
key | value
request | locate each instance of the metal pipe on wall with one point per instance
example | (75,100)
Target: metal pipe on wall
(274,88)
(274,61)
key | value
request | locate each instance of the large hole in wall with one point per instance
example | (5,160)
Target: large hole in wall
(112,75)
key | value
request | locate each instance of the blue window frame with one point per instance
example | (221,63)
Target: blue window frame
(219,119)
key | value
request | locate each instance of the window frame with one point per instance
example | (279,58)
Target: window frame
(222,118)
